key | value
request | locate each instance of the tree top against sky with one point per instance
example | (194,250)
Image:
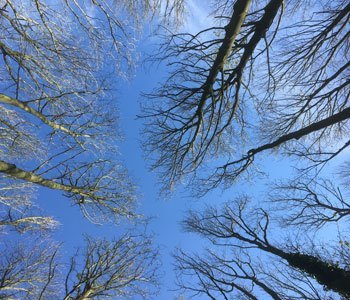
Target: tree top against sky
(261,78)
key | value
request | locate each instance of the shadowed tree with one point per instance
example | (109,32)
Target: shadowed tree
(266,76)
(243,259)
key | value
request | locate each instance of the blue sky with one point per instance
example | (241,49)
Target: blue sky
(166,214)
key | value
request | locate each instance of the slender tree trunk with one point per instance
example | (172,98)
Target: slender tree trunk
(22,105)
(13,171)
(332,120)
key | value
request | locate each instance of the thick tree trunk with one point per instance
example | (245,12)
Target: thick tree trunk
(327,274)
(232,29)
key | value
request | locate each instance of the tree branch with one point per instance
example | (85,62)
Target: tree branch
(17,103)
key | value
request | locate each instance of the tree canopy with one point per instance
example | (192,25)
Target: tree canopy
(60,64)
(264,79)
(268,75)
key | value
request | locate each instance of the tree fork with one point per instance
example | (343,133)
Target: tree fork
(262,26)
(232,29)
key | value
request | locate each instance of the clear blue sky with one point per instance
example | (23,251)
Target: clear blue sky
(166,213)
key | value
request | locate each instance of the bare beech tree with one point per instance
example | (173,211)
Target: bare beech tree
(243,260)
(60,62)
(121,268)
(265,76)
(53,82)
(58,114)
(269,74)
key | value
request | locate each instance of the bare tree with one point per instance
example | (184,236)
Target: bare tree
(121,268)
(267,76)
(310,204)
(54,108)
(242,259)
(26,269)
(58,115)
(277,78)
(59,64)
(201,113)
